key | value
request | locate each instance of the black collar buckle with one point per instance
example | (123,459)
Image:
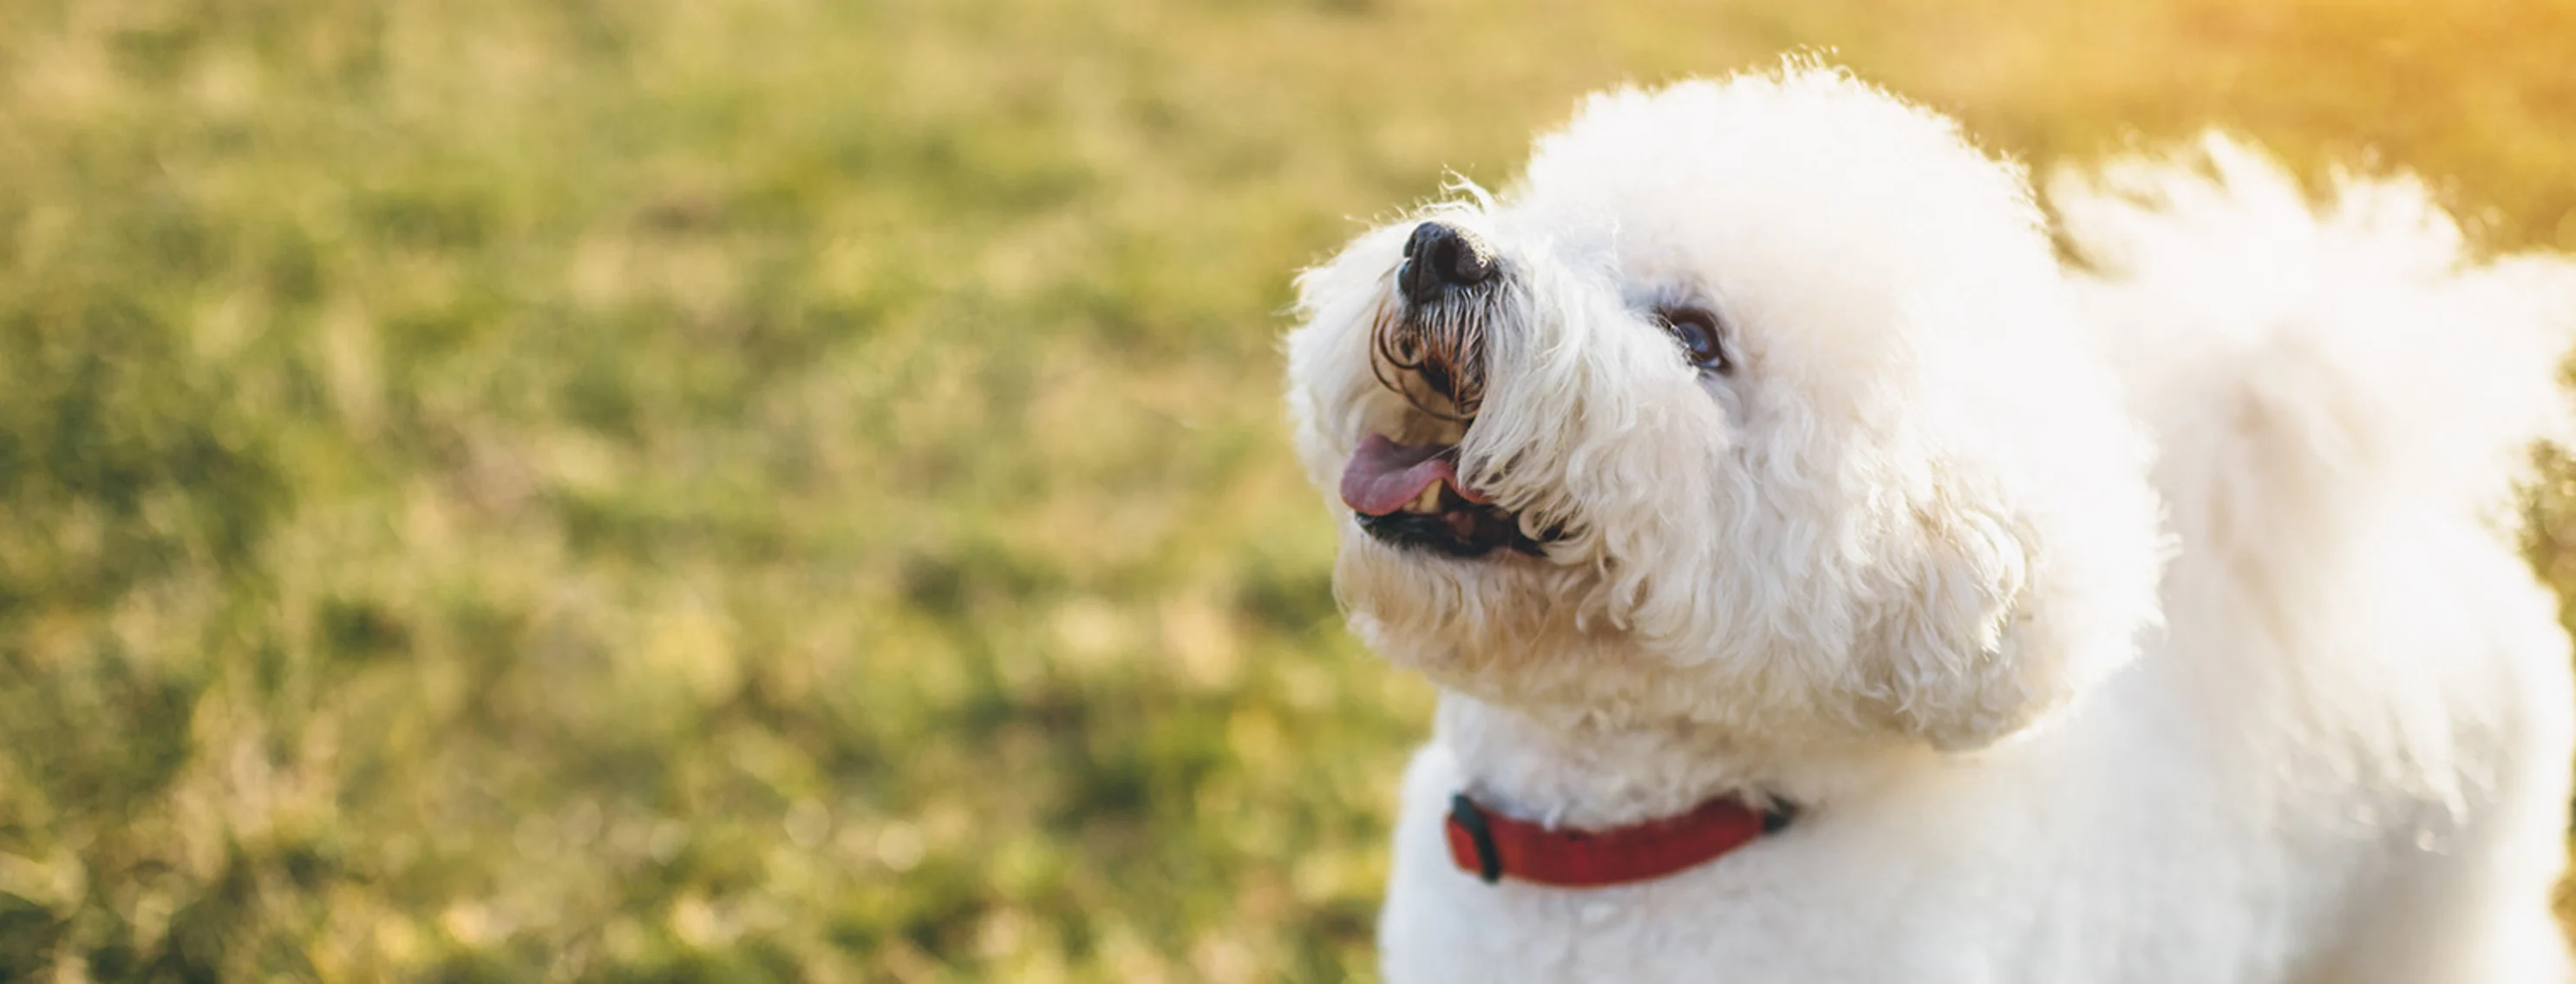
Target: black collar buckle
(1471,818)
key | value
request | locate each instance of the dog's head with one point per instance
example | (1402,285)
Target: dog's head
(1755,404)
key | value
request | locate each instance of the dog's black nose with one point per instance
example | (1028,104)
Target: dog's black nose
(1441,256)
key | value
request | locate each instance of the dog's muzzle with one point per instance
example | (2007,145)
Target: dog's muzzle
(1431,350)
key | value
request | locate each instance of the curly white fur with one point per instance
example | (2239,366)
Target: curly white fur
(1905,566)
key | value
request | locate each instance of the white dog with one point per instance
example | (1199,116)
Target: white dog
(1826,582)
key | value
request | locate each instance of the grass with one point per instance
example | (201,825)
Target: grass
(788,490)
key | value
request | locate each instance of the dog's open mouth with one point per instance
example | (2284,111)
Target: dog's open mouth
(1409,495)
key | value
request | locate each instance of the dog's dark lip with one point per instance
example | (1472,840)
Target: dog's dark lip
(1461,529)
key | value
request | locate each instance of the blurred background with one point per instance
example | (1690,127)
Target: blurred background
(784,489)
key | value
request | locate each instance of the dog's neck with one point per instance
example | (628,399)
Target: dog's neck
(1573,769)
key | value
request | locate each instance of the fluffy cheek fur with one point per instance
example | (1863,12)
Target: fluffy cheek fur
(1800,554)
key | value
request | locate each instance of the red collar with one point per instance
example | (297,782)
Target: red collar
(1490,845)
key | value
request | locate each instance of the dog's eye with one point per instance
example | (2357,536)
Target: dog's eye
(1701,335)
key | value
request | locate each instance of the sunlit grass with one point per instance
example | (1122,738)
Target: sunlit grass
(784,490)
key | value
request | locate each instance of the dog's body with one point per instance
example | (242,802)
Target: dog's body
(2152,621)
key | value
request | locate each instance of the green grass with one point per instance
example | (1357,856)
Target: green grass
(786,490)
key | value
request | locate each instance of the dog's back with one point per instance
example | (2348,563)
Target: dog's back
(2342,399)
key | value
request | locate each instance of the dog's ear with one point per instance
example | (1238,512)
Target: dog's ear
(1979,636)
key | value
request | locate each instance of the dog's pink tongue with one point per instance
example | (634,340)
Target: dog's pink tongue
(1384,475)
